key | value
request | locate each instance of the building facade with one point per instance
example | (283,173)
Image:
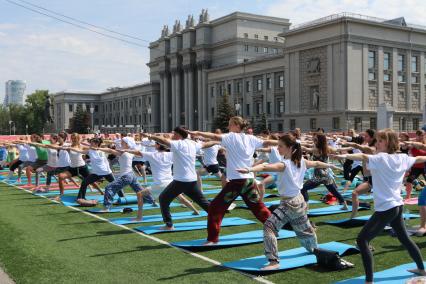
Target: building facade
(333,72)
(15,92)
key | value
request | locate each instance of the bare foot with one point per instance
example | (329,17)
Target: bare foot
(417,271)
(57,198)
(137,219)
(208,243)
(344,207)
(167,228)
(195,213)
(420,232)
(271,266)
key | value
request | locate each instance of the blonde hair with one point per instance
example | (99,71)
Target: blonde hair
(77,137)
(239,121)
(391,139)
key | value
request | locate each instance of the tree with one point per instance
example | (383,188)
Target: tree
(80,122)
(261,125)
(35,110)
(224,112)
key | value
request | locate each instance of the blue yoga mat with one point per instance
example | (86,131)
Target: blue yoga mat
(119,209)
(360,220)
(289,259)
(211,191)
(55,192)
(191,226)
(70,200)
(244,238)
(395,275)
(330,210)
(276,202)
(157,218)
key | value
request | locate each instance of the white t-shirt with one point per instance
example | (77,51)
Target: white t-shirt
(32,153)
(76,159)
(149,145)
(99,163)
(23,153)
(125,160)
(184,152)
(356,163)
(210,155)
(240,149)
(161,166)
(291,180)
(64,159)
(139,147)
(52,158)
(387,171)
(274,156)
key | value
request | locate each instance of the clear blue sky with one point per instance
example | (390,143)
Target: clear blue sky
(52,55)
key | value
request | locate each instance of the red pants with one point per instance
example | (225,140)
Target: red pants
(219,205)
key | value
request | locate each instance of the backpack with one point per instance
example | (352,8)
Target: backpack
(331,260)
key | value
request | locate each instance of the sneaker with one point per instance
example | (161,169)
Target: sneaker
(232,206)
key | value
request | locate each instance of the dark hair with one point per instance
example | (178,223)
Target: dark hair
(63,135)
(181,130)
(320,129)
(358,140)
(296,153)
(321,144)
(371,132)
(419,132)
(161,147)
(97,141)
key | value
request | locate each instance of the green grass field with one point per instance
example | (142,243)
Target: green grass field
(44,242)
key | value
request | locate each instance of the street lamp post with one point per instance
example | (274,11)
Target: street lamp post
(237,108)
(10,126)
(92,110)
(26,129)
(149,117)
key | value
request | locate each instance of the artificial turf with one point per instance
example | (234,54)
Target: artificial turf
(42,242)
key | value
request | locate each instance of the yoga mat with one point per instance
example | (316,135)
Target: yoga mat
(289,259)
(244,238)
(55,192)
(70,200)
(157,218)
(361,220)
(395,275)
(127,200)
(119,209)
(411,201)
(211,191)
(191,226)
(276,202)
(330,210)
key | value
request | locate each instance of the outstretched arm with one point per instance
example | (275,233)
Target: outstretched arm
(109,151)
(320,165)
(355,157)
(209,144)
(159,139)
(209,135)
(267,143)
(277,167)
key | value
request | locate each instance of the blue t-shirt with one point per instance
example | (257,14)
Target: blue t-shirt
(3,154)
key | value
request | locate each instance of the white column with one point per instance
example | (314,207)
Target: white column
(185,93)
(408,93)
(177,105)
(173,91)
(205,110)
(200,97)
(166,102)
(161,103)
(380,93)
(264,95)
(365,93)
(287,96)
(395,78)
(191,99)
(330,106)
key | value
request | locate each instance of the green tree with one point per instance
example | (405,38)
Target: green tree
(261,125)
(36,110)
(80,122)
(224,112)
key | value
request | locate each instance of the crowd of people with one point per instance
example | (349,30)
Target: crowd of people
(294,163)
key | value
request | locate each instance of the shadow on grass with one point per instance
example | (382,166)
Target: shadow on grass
(61,213)
(99,234)
(137,249)
(195,271)
(84,223)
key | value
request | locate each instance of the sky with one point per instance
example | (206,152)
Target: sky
(49,54)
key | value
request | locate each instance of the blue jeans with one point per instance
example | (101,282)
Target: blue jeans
(118,184)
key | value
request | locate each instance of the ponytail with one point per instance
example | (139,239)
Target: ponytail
(296,153)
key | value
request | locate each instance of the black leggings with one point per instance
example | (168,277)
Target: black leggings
(353,172)
(375,226)
(311,184)
(173,190)
(94,178)
(15,165)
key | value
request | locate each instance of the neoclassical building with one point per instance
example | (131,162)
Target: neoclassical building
(333,72)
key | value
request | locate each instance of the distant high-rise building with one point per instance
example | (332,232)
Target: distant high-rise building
(15,90)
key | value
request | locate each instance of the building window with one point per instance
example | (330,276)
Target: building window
(259,108)
(256,36)
(292,124)
(229,89)
(402,124)
(281,81)
(416,95)
(280,127)
(212,91)
(212,110)
(416,123)
(358,123)
(401,94)
(259,85)
(373,122)
(220,90)
(414,65)
(266,38)
(401,62)
(336,123)
(96,108)
(371,76)
(275,50)
(248,86)
(70,107)
(386,61)
(247,109)
(245,35)
(246,47)
(371,65)
(265,50)
(256,49)
(386,77)
(239,87)
(414,79)
(401,78)
(313,123)
(268,83)
(268,107)
(280,106)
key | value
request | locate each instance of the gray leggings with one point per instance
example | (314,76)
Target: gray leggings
(375,226)
(293,211)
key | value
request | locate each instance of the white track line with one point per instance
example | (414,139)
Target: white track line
(212,261)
